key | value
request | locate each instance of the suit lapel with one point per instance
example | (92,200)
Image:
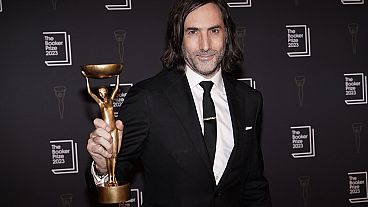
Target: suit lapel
(182,101)
(235,107)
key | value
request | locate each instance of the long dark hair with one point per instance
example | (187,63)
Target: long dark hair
(173,58)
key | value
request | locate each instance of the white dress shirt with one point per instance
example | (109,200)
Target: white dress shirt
(225,137)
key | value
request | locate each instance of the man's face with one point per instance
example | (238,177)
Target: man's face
(204,40)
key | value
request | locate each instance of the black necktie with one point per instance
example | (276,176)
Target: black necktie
(209,119)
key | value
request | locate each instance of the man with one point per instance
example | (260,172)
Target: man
(194,129)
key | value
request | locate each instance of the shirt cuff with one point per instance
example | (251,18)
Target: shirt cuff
(99,180)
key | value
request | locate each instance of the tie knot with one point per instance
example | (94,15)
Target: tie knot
(206,85)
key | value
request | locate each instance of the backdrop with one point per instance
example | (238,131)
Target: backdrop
(308,58)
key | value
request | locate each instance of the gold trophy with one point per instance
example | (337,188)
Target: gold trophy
(112,191)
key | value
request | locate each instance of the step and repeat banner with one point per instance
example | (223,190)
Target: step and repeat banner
(308,58)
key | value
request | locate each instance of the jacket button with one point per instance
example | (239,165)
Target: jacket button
(218,195)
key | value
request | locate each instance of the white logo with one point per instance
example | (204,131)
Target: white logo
(64,157)
(1,6)
(347,2)
(358,187)
(355,88)
(136,199)
(247,3)
(58,50)
(127,5)
(249,81)
(303,145)
(298,41)
(120,96)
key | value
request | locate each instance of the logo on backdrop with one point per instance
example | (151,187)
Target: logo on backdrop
(120,37)
(240,33)
(353,30)
(298,37)
(64,156)
(123,5)
(304,184)
(53,3)
(358,187)
(136,199)
(58,50)
(355,88)
(247,3)
(249,81)
(60,94)
(357,130)
(120,96)
(302,138)
(299,81)
(347,2)
(66,199)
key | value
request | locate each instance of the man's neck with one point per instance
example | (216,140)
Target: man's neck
(206,76)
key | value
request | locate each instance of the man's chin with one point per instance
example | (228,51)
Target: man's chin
(207,72)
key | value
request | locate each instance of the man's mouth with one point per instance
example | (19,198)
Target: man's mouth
(205,57)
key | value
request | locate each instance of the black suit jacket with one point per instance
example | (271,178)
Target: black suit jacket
(162,130)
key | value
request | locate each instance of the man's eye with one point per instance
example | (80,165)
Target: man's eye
(215,31)
(192,32)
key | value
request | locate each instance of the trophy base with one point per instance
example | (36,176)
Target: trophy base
(114,194)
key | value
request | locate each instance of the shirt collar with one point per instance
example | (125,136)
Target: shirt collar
(194,79)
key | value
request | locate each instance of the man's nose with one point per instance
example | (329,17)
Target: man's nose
(204,42)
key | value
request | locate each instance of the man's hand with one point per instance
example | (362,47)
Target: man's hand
(99,144)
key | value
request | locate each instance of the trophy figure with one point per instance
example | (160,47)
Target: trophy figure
(112,191)
(54,2)
(66,199)
(120,37)
(296,2)
(304,184)
(240,32)
(299,81)
(357,129)
(353,29)
(60,94)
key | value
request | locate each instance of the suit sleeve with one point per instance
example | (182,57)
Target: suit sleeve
(255,188)
(134,114)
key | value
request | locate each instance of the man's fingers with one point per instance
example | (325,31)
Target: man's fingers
(100,132)
(100,150)
(99,123)
(104,143)
(119,125)
(98,146)
(100,141)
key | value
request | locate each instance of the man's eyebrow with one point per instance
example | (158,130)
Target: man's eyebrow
(191,28)
(215,27)
(210,28)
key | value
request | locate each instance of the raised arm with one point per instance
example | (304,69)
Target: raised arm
(92,94)
(116,88)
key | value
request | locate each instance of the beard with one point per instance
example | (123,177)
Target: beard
(205,63)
